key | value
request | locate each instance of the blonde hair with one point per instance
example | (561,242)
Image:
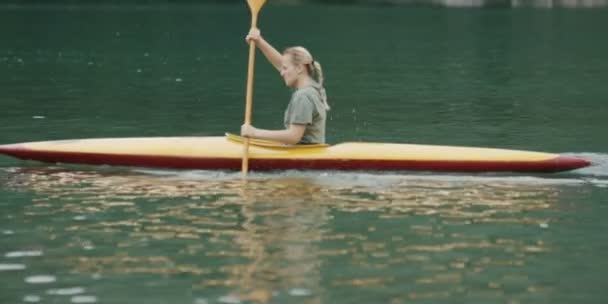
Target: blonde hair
(300,55)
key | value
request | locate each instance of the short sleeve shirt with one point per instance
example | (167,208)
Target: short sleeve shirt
(307,108)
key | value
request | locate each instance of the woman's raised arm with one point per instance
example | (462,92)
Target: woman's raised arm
(273,56)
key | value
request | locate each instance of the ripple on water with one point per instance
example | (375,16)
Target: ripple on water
(40,279)
(20,254)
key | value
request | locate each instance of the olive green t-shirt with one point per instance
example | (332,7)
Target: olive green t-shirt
(307,108)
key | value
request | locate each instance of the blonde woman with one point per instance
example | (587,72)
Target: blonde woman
(305,115)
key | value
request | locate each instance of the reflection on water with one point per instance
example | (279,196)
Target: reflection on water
(293,238)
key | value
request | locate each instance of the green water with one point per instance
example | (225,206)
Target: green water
(523,79)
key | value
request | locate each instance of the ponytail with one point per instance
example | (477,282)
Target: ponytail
(318,71)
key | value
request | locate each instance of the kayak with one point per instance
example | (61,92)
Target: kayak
(225,153)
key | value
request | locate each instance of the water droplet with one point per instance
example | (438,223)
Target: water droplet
(40,279)
(138,70)
(544,225)
(178,80)
(8,232)
(6,267)
(38,117)
(80,218)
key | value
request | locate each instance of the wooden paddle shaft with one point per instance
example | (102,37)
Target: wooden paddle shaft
(249,96)
(248,106)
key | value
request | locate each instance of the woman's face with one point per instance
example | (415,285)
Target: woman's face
(289,71)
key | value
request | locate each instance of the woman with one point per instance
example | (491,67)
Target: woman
(306,113)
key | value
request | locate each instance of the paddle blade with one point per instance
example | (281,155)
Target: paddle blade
(255,5)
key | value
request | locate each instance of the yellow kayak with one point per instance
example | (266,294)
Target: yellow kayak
(225,153)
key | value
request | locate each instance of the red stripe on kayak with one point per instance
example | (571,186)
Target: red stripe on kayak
(557,164)
(561,163)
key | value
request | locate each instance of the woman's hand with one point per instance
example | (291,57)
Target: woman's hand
(248,130)
(254,35)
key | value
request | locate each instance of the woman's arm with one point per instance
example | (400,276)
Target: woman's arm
(269,51)
(290,136)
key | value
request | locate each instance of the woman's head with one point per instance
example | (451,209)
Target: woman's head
(297,63)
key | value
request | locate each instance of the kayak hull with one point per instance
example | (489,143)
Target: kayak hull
(220,153)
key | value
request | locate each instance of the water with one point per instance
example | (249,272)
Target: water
(525,79)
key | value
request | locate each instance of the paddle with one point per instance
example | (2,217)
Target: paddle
(254,6)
